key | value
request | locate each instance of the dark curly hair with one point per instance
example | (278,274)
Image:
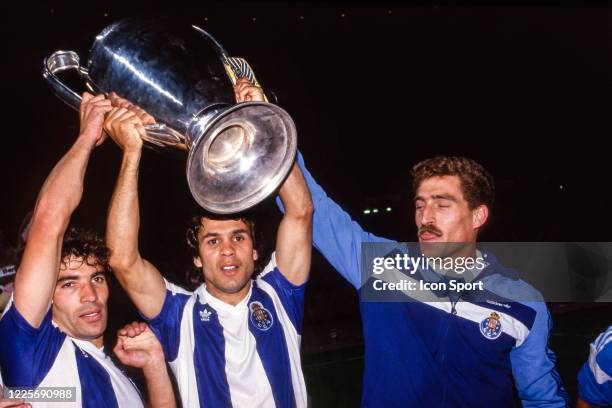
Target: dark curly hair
(476,183)
(88,245)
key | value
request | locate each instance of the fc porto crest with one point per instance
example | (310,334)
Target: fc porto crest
(491,327)
(260,316)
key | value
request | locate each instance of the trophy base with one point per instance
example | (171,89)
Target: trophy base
(242,157)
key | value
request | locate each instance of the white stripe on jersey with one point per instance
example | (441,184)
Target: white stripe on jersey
(247,379)
(63,373)
(183,366)
(509,324)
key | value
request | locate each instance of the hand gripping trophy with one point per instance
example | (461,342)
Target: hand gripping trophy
(237,154)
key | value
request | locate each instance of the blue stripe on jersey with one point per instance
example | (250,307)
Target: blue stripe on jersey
(96,387)
(28,356)
(272,350)
(209,358)
(291,296)
(604,358)
(167,324)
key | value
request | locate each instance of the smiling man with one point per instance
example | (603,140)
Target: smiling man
(52,331)
(234,341)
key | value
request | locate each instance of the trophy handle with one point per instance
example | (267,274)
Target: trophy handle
(157,134)
(62,61)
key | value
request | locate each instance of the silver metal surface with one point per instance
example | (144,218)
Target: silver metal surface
(238,154)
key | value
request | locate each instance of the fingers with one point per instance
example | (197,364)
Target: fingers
(118,101)
(143,115)
(88,99)
(245,91)
(98,108)
(133,329)
(120,351)
(117,116)
(85,98)
(94,105)
(243,81)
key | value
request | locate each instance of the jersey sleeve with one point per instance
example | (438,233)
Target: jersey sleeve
(334,232)
(27,353)
(533,365)
(167,324)
(595,376)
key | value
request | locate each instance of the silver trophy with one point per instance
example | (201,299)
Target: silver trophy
(238,153)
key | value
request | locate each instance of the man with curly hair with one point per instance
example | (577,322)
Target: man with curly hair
(52,331)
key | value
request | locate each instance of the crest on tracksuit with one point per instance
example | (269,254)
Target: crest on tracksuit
(491,327)
(260,316)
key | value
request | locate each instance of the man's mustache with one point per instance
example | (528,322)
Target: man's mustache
(429,228)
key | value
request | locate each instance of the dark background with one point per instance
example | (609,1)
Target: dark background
(373,89)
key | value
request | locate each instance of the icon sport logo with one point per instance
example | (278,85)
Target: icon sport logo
(491,326)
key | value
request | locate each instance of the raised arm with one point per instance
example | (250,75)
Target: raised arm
(138,347)
(334,233)
(57,200)
(294,236)
(140,279)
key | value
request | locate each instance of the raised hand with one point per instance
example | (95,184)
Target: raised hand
(138,347)
(92,111)
(126,129)
(245,91)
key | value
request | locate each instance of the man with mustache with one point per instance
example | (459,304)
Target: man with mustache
(51,334)
(235,340)
(483,350)
(490,351)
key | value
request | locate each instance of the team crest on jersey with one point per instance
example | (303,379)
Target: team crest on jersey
(260,316)
(491,327)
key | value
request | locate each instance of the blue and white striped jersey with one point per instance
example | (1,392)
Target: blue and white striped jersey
(595,376)
(246,355)
(47,357)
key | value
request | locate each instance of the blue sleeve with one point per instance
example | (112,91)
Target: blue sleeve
(533,365)
(167,324)
(27,353)
(291,296)
(334,233)
(604,358)
(595,376)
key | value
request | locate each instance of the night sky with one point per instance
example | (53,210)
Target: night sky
(373,89)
